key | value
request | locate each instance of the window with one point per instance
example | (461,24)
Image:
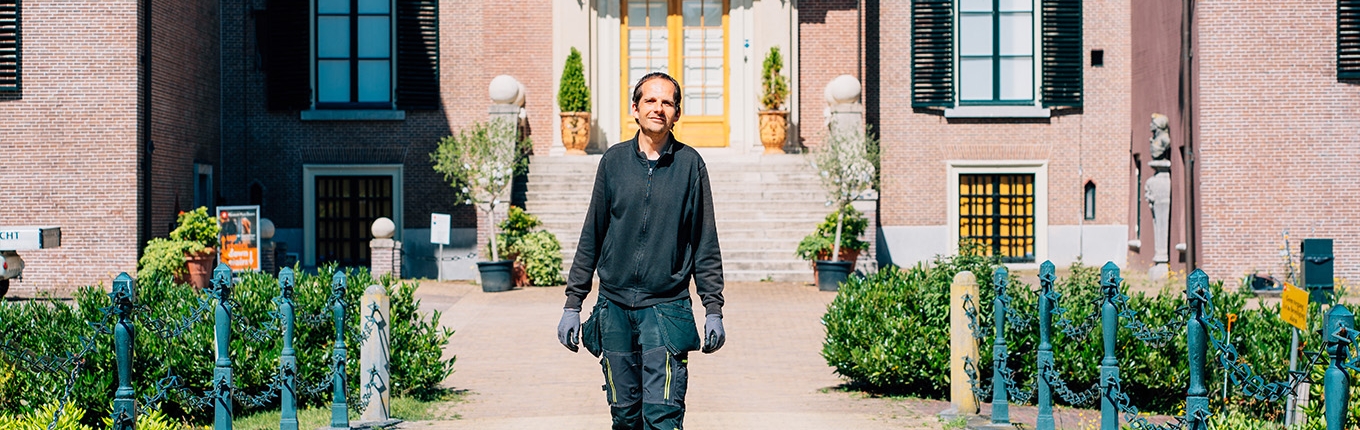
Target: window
(995,42)
(354,53)
(996,51)
(9,45)
(997,211)
(1089,200)
(368,54)
(203,186)
(1348,39)
(685,39)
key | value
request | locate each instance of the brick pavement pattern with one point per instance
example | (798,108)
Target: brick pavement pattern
(769,375)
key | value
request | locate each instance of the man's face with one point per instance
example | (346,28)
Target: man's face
(656,111)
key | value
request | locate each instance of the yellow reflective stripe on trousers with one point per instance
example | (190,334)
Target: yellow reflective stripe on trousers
(609,374)
(667,396)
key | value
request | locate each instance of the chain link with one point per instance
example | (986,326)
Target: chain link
(1077,332)
(1155,336)
(1134,418)
(1242,374)
(1049,372)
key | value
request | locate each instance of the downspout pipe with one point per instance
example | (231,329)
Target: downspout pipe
(144,123)
(1187,106)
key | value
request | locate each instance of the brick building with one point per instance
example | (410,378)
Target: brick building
(105,109)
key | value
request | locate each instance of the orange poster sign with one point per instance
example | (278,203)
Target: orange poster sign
(239,237)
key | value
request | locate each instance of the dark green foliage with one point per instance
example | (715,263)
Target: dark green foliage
(820,241)
(572,94)
(417,361)
(538,250)
(774,86)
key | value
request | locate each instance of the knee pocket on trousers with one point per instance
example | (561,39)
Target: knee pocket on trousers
(622,379)
(665,377)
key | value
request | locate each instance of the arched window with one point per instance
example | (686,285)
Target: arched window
(1089,208)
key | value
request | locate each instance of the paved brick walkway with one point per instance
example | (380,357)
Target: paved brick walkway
(770,374)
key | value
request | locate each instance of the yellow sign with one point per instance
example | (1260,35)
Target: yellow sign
(1294,306)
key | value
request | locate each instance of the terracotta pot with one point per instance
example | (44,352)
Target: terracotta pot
(575,132)
(519,276)
(847,254)
(200,267)
(773,130)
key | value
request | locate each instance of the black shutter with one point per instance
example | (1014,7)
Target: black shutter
(1348,39)
(9,45)
(284,34)
(932,53)
(418,54)
(1062,53)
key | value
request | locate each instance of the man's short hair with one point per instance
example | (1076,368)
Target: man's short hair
(637,89)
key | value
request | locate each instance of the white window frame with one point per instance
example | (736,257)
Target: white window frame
(1033,109)
(1038,168)
(309,174)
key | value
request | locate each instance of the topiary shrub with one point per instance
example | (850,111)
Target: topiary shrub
(572,94)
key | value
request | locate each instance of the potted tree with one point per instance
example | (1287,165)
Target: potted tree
(846,169)
(188,255)
(573,99)
(774,91)
(479,162)
(819,244)
(536,252)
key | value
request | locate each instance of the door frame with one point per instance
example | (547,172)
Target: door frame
(309,174)
(675,34)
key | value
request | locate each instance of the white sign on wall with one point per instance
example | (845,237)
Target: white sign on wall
(439,228)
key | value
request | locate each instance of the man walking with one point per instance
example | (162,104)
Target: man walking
(649,229)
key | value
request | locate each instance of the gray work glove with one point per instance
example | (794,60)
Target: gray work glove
(714,336)
(569,330)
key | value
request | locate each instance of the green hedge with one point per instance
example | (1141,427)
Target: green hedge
(889,333)
(53,327)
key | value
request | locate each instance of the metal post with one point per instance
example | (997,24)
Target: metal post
(124,399)
(221,290)
(288,358)
(1109,365)
(1197,396)
(1046,277)
(339,407)
(1001,413)
(1336,389)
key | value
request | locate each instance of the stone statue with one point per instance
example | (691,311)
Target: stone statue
(1158,193)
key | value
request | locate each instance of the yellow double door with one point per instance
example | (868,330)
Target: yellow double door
(688,40)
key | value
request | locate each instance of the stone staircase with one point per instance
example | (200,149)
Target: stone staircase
(764,206)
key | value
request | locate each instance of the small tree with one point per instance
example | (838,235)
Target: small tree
(846,171)
(480,163)
(572,94)
(774,86)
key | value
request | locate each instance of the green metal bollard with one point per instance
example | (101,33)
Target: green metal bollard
(288,358)
(221,290)
(339,408)
(1339,324)
(1001,413)
(1046,277)
(124,399)
(1109,365)
(1196,339)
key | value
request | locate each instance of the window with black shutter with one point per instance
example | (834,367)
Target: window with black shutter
(995,64)
(1348,39)
(351,63)
(9,45)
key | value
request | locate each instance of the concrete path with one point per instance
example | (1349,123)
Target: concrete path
(770,374)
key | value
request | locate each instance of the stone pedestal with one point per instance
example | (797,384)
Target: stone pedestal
(868,205)
(1158,194)
(961,345)
(374,377)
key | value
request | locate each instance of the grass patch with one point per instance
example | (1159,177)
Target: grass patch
(403,408)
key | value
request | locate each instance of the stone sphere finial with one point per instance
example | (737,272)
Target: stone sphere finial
(504,90)
(844,89)
(383,228)
(519,100)
(266,229)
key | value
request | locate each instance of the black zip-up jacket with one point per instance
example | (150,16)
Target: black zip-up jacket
(649,230)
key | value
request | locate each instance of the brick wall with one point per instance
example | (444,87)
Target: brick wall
(70,142)
(1091,144)
(828,42)
(478,41)
(185,85)
(1277,136)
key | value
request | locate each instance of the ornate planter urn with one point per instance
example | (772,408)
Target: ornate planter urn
(575,132)
(773,130)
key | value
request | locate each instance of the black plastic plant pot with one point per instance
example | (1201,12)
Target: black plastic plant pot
(830,274)
(496,275)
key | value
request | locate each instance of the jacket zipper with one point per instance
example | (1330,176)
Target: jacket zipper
(646,213)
